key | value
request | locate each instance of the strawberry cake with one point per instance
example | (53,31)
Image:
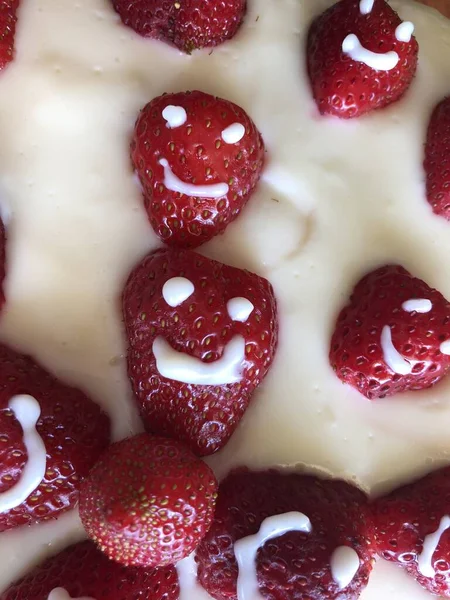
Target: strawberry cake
(224,300)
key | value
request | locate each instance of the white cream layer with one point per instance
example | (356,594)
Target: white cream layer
(337,199)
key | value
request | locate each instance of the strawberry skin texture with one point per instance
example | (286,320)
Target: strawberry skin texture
(296,565)
(186,24)
(405,517)
(197,154)
(356,354)
(74,429)
(83,571)
(148,501)
(437,159)
(347,88)
(8,20)
(202,416)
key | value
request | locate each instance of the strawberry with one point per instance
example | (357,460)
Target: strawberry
(208,145)
(296,565)
(186,24)
(201,330)
(148,501)
(72,429)
(2,260)
(347,87)
(85,572)
(437,159)
(8,20)
(411,529)
(393,335)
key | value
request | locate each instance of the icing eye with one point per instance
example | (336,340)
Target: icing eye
(177,290)
(418,305)
(233,134)
(175,116)
(240,309)
(404,32)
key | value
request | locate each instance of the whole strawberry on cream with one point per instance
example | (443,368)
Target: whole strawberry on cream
(201,338)
(437,159)
(361,56)
(198,159)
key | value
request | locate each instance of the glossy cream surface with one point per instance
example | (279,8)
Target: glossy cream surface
(336,200)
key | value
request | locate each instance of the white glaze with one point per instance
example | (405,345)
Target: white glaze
(336,200)
(175,116)
(173,183)
(445,347)
(188,369)
(392,356)
(246,549)
(344,565)
(233,134)
(177,290)
(366,6)
(187,576)
(27,411)
(418,305)
(385,61)
(240,309)
(61,594)
(430,545)
(404,31)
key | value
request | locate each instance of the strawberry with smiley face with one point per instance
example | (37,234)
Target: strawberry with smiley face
(202,336)
(199,159)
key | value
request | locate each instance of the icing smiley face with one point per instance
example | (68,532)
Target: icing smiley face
(199,159)
(393,336)
(202,336)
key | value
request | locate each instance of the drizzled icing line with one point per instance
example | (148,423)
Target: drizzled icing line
(430,544)
(385,61)
(174,184)
(391,355)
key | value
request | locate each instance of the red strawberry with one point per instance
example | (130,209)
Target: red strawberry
(203,413)
(437,159)
(190,141)
(72,428)
(350,88)
(148,501)
(83,571)
(187,24)
(296,565)
(2,260)
(412,530)
(8,20)
(393,335)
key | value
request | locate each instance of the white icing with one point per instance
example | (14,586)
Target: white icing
(418,305)
(240,309)
(430,544)
(246,549)
(366,6)
(445,347)
(344,565)
(233,134)
(379,61)
(175,116)
(173,183)
(61,594)
(188,369)
(187,576)
(404,31)
(26,409)
(392,357)
(177,290)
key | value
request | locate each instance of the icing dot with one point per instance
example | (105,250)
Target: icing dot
(404,31)
(240,309)
(419,305)
(445,347)
(177,290)
(233,134)
(344,565)
(366,6)
(175,116)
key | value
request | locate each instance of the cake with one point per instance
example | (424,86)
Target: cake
(336,199)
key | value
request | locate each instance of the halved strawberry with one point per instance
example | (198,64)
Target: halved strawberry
(70,434)
(347,83)
(148,501)
(413,530)
(437,159)
(187,25)
(8,20)
(199,159)
(330,559)
(199,346)
(82,571)
(393,335)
